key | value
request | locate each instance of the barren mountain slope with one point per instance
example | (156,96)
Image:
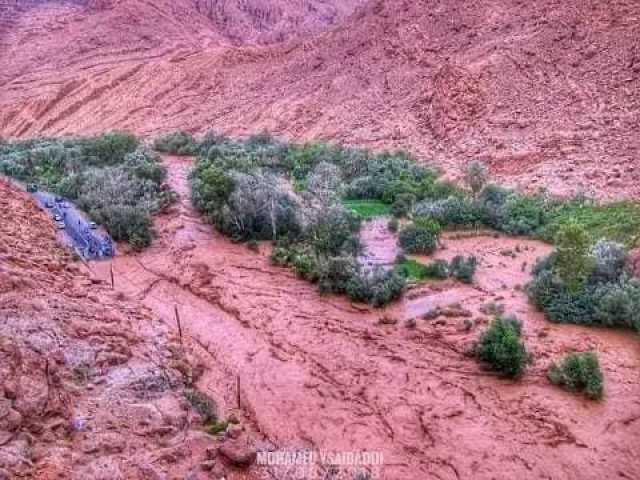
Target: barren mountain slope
(269,21)
(548,92)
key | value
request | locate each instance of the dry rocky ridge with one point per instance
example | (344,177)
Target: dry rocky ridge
(546,92)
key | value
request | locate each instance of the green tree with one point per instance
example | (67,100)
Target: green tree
(573,261)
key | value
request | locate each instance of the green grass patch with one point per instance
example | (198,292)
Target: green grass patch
(619,221)
(367,209)
(415,271)
(412,269)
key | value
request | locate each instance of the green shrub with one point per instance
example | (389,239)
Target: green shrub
(377,288)
(336,273)
(617,221)
(145,165)
(609,259)
(463,268)
(511,212)
(203,404)
(579,372)
(305,266)
(501,347)
(177,143)
(604,295)
(616,303)
(573,263)
(107,149)
(438,269)
(335,232)
(393,225)
(211,188)
(403,204)
(451,211)
(420,237)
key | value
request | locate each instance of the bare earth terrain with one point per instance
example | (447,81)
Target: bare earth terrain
(547,92)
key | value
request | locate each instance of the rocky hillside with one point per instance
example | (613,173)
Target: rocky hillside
(547,92)
(90,383)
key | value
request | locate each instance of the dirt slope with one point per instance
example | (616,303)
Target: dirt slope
(547,92)
(319,372)
(90,383)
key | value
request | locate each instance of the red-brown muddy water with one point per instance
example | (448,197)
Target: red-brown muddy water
(320,372)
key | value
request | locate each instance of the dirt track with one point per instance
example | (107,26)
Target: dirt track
(320,372)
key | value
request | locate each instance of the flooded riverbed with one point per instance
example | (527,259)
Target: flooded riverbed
(320,372)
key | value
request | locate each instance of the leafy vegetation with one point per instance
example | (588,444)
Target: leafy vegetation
(586,284)
(463,268)
(617,221)
(420,237)
(416,271)
(177,143)
(118,183)
(309,199)
(579,372)
(502,348)
(208,411)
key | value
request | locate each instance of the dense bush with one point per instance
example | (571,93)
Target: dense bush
(335,274)
(451,211)
(609,259)
(177,143)
(511,212)
(116,182)
(264,188)
(420,237)
(377,288)
(106,149)
(595,291)
(403,204)
(501,347)
(463,268)
(579,372)
(335,231)
(573,263)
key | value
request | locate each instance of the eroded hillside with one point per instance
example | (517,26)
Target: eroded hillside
(546,92)
(91,384)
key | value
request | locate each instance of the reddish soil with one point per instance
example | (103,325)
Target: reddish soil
(547,92)
(320,372)
(91,382)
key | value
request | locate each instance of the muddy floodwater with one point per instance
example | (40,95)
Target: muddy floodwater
(320,372)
